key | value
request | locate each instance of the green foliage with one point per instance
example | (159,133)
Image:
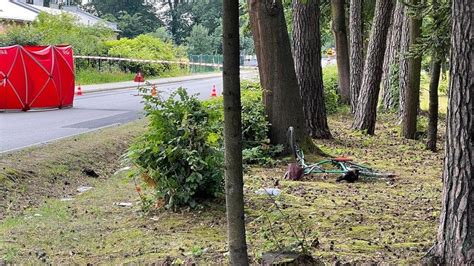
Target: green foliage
(59,29)
(255,127)
(64,29)
(133,17)
(145,47)
(200,41)
(179,152)
(330,81)
(22,35)
(163,34)
(86,76)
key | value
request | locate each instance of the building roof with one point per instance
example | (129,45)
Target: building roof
(14,12)
(17,11)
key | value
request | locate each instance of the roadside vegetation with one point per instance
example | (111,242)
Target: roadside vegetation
(384,220)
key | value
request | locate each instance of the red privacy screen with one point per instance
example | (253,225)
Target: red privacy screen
(35,77)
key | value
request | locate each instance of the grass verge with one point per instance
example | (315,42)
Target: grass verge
(390,221)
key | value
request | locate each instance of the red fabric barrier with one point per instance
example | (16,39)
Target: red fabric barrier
(36,77)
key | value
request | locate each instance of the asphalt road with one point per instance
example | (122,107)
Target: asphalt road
(91,111)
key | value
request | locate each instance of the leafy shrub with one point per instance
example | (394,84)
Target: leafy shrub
(145,47)
(330,81)
(59,29)
(255,127)
(22,35)
(180,152)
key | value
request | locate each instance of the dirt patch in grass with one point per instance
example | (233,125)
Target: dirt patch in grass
(30,176)
(390,221)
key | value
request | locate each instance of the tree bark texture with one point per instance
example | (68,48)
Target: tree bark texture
(389,79)
(403,59)
(412,94)
(233,135)
(281,97)
(455,239)
(385,66)
(433,109)
(342,49)
(356,51)
(366,112)
(307,55)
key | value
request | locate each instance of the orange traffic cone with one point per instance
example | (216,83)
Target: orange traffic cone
(79,90)
(214,91)
(153,91)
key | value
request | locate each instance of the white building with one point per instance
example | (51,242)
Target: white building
(26,11)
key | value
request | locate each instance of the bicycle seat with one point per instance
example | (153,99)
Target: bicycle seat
(342,159)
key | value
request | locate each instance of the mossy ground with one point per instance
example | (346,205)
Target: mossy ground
(392,221)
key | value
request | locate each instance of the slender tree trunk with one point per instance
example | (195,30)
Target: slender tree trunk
(342,48)
(357,51)
(403,68)
(455,239)
(307,55)
(233,135)
(282,98)
(433,120)
(412,94)
(390,90)
(386,57)
(366,112)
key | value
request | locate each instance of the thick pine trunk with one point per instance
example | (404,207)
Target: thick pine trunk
(342,49)
(412,94)
(281,97)
(403,67)
(433,119)
(357,51)
(455,240)
(390,90)
(307,55)
(233,136)
(366,112)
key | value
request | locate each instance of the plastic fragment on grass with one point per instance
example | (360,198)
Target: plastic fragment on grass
(83,189)
(269,191)
(124,204)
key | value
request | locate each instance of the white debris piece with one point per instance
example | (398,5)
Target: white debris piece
(83,189)
(269,191)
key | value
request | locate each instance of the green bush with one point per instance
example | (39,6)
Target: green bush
(59,29)
(330,81)
(145,47)
(256,144)
(180,151)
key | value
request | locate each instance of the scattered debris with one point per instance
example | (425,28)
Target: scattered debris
(124,204)
(122,170)
(90,172)
(67,199)
(37,215)
(269,191)
(83,189)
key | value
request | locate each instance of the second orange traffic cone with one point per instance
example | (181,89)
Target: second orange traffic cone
(153,91)
(214,91)
(79,90)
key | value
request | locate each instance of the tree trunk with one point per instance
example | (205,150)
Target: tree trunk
(233,135)
(386,57)
(342,48)
(281,97)
(307,55)
(366,112)
(390,90)
(412,94)
(403,68)
(455,239)
(433,119)
(357,51)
